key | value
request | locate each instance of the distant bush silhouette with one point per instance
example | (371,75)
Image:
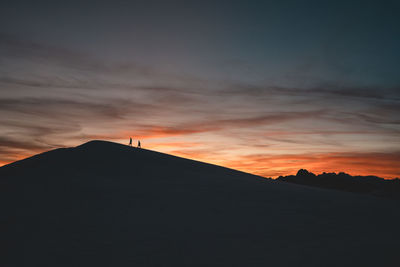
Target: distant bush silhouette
(345,182)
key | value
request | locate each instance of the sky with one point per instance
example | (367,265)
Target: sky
(266,87)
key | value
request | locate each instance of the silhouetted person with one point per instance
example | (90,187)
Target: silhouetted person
(130,141)
(138,144)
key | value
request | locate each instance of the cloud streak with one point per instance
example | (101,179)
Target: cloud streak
(53,97)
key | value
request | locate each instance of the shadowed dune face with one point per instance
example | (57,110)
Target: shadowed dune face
(104,204)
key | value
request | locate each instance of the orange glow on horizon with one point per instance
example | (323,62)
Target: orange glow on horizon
(364,164)
(384,165)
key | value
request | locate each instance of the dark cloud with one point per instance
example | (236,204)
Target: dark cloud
(270,118)
(327,90)
(6,142)
(25,50)
(51,107)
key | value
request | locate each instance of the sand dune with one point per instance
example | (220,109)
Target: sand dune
(106,204)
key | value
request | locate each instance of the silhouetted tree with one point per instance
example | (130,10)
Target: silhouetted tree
(345,182)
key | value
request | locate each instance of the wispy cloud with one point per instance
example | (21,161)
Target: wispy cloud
(53,97)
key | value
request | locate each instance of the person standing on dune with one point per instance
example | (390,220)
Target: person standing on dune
(130,141)
(138,144)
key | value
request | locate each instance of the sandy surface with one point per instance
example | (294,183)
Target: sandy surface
(105,204)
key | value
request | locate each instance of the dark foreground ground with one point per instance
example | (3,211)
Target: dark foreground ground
(104,204)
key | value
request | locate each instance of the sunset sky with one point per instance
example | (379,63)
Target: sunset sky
(264,88)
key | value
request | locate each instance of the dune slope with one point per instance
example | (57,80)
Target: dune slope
(105,204)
